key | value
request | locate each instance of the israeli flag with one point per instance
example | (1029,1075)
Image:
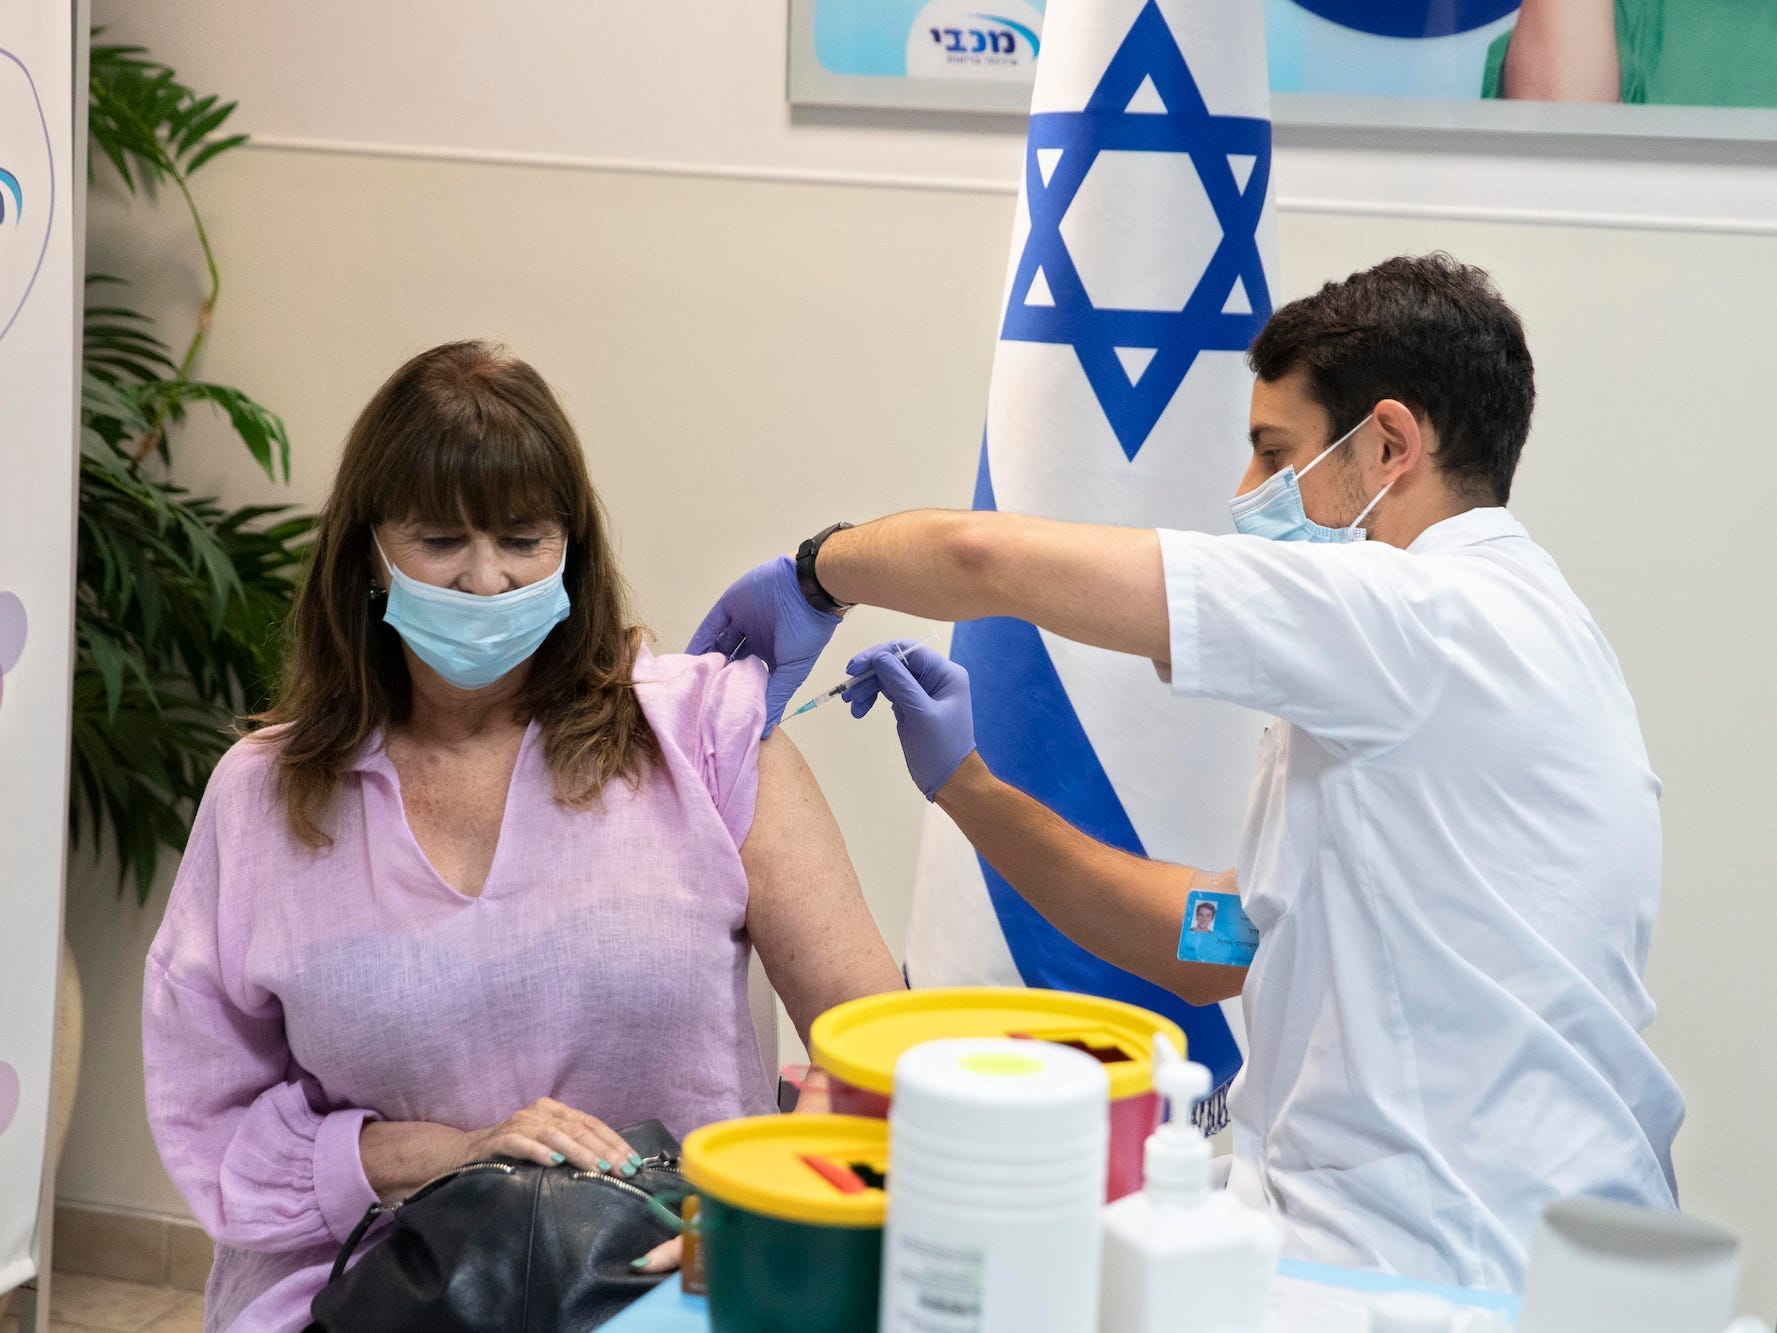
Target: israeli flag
(1142,255)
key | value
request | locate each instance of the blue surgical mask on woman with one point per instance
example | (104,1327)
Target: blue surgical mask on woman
(1275,510)
(468,639)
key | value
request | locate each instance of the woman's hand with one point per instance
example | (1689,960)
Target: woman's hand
(663,1258)
(548,1132)
(401,1155)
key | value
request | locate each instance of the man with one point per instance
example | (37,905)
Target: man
(1452,849)
(1205,918)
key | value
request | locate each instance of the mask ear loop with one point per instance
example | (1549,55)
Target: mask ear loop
(1334,445)
(1358,522)
(377,591)
(388,564)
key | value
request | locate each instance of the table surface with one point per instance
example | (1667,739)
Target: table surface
(668,1310)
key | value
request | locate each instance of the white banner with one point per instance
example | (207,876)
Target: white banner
(39,174)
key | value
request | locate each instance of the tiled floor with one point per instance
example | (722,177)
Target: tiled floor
(81,1304)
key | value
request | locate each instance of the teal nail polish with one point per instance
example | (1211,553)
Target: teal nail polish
(635,1161)
(628,1169)
(639,1264)
(556,1159)
(604,1166)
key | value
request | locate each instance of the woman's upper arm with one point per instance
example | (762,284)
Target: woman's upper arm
(805,911)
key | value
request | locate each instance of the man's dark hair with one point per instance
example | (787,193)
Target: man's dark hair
(1430,332)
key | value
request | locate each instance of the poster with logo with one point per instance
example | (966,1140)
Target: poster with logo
(38,176)
(949,55)
(1688,68)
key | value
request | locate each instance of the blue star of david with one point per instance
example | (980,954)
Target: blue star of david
(1176,337)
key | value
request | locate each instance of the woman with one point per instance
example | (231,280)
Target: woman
(488,881)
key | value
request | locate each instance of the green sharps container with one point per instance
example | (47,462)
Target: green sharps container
(791,1212)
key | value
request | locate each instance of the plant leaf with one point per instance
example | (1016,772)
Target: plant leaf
(212,149)
(108,657)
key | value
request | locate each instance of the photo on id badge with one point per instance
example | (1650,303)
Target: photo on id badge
(1217,931)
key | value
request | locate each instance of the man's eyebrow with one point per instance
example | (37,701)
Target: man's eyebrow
(1265,428)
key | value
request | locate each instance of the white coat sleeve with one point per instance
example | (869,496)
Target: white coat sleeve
(1349,642)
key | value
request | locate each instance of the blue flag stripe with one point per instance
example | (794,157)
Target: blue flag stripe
(1029,735)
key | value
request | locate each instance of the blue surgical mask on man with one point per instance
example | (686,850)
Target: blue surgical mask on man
(1274,509)
(472,640)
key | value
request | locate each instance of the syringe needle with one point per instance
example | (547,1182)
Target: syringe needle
(858,679)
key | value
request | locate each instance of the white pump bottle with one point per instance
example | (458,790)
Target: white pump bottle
(1180,1256)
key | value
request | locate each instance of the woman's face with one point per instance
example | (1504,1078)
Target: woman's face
(469,560)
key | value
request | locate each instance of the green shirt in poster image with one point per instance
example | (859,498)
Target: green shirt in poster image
(1686,53)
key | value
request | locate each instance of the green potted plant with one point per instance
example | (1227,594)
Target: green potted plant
(178,598)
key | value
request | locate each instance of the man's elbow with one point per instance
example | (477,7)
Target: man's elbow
(973,547)
(977,565)
(1204,984)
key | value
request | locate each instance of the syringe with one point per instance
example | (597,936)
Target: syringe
(846,684)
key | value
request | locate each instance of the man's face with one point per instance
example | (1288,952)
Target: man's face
(1206,917)
(1290,429)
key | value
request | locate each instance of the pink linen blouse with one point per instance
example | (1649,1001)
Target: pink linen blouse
(291,994)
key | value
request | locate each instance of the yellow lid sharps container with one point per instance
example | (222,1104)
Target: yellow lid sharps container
(791,1209)
(857,1044)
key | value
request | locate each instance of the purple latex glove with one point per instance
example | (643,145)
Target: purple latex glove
(933,716)
(765,615)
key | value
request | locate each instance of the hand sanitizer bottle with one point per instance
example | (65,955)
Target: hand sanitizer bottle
(1179,1256)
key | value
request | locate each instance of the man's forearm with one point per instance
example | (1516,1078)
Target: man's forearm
(1096,585)
(1122,908)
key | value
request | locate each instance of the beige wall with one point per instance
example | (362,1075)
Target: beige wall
(748,360)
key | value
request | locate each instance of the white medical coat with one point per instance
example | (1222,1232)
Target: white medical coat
(1452,855)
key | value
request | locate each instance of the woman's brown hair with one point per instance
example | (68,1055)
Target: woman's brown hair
(462,434)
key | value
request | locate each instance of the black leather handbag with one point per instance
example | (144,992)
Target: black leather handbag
(504,1246)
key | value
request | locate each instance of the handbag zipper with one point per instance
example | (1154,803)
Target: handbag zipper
(655,1205)
(636,1190)
(468,1168)
(663,1162)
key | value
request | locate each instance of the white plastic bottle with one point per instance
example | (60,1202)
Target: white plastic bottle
(997,1161)
(1180,1256)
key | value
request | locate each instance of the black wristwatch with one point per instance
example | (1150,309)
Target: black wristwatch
(818,597)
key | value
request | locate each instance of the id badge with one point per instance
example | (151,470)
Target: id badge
(1217,930)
